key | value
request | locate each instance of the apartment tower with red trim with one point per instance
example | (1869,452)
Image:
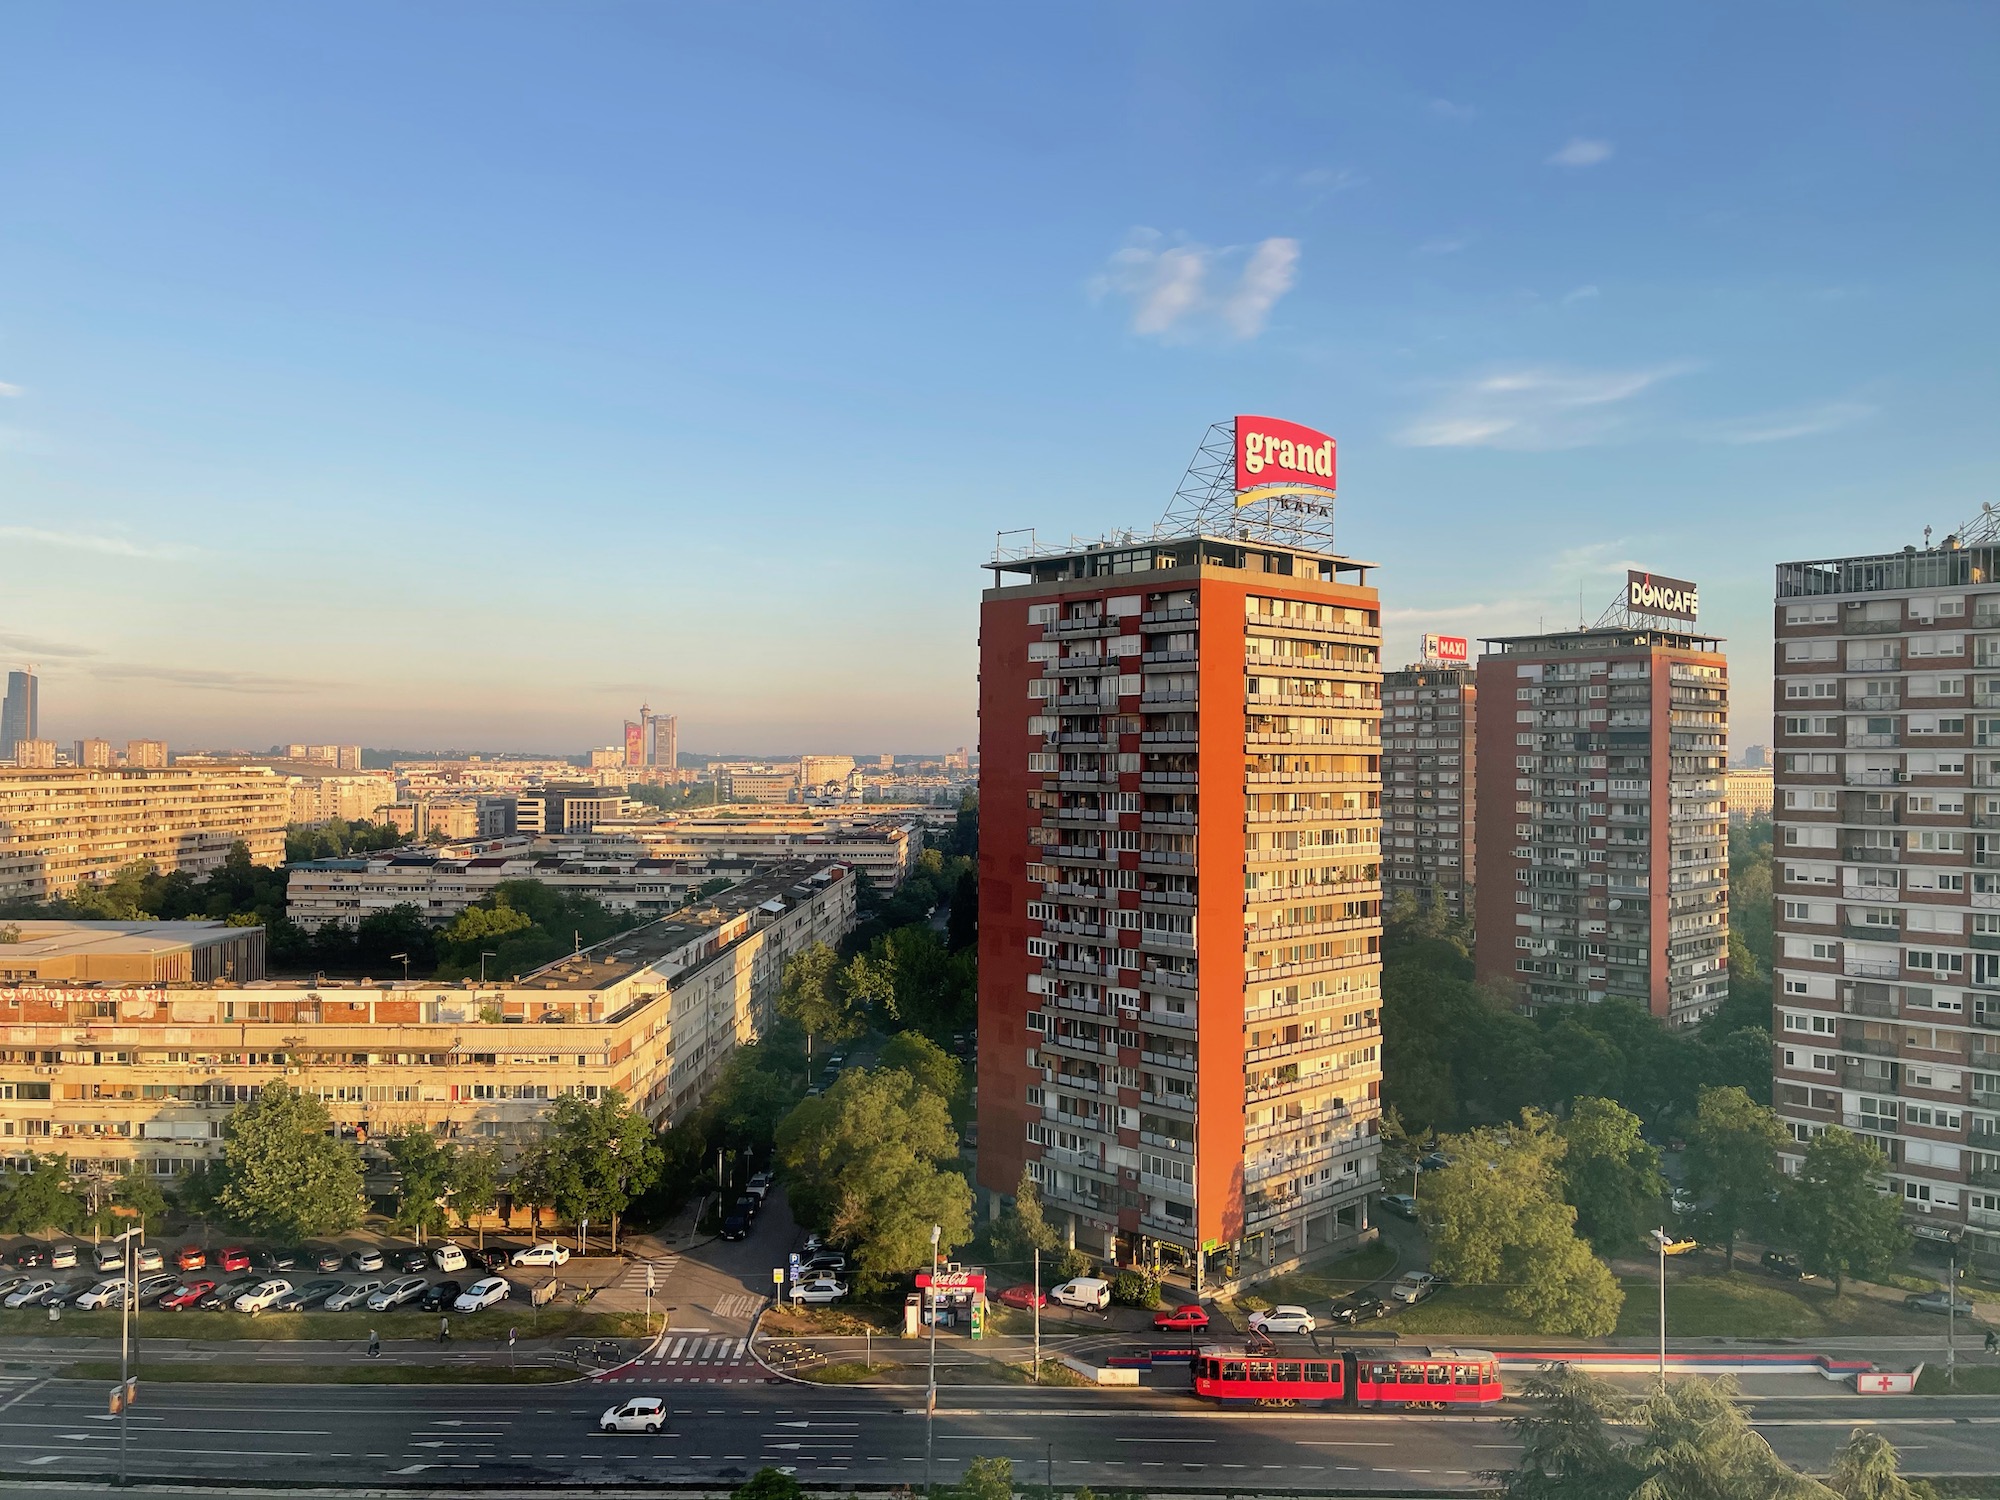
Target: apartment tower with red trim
(1180,892)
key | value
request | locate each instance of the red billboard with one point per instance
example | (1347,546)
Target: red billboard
(1447,648)
(1272,455)
(635,744)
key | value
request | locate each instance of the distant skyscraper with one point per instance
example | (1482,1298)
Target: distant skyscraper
(93,755)
(666,741)
(148,755)
(20,718)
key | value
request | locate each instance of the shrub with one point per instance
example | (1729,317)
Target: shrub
(1135,1289)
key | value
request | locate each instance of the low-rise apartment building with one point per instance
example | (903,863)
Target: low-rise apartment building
(60,828)
(122,953)
(885,849)
(1748,791)
(147,1073)
(346,890)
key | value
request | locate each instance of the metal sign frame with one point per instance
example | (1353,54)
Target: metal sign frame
(1206,504)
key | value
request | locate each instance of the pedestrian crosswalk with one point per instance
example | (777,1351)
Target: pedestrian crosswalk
(691,1358)
(699,1351)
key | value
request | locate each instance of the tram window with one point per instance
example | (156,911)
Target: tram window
(1233,1370)
(1317,1373)
(1260,1369)
(1381,1374)
(1288,1370)
(1440,1374)
(1466,1374)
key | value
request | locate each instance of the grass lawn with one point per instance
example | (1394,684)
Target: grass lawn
(1323,1283)
(847,1372)
(553,1321)
(1973,1380)
(304,1374)
(1054,1372)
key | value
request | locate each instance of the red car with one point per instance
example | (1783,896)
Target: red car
(187,1294)
(1188,1319)
(235,1258)
(191,1258)
(1023,1297)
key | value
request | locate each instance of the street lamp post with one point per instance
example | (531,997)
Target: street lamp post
(1037,1377)
(1660,1242)
(1951,1320)
(482,966)
(406,964)
(930,1403)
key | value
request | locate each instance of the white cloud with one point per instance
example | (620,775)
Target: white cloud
(84,541)
(1579,152)
(1534,409)
(1181,290)
(9,390)
(1783,426)
(1580,294)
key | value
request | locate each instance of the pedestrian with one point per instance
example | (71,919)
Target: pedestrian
(444,1330)
(55,1316)
(1992,1342)
(374,1344)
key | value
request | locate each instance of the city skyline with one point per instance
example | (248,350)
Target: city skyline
(495,399)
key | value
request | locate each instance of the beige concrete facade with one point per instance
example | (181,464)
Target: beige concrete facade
(148,1073)
(59,828)
(1748,791)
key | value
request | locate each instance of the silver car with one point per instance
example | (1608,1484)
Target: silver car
(352,1295)
(396,1293)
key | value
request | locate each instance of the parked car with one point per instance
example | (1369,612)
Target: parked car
(190,1258)
(263,1296)
(1285,1318)
(62,1257)
(736,1226)
(1192,1317)
(30,1293)
(31,1255)
(1414,1286)
(823,1290)
(831,1261)
(1681,1244)
(285,1258)
(448,1258)
(1359,1307)
(1940,1303)
(354,1294)
(413,1260)
(1783,1263)
(439,1295)
(365,1260)
(12,1283)
(299,1298)
(109,1256)
(1024,1297)
(1680,1201)
(65,1292)
(640,1414)
(1437,1161)
(750,1205)
(1085,1291)
(226,1293)
(188,1294)
(324,1258)
(106,1294)
(548,1254)
(156,1285)
(234,1258)
(149,1258)
(396,1293)
(480,1294)
(1400,1203)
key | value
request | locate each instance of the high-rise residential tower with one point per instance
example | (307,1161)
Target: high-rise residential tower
(20,715)
(666,741)
(1429,800)
(1603,838)
(1886,990)
(1180,881)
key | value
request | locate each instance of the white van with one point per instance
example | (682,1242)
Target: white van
(1085,1291)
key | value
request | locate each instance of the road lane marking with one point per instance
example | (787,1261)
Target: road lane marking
(1332,1443)
(1176,1440)
(46,1459)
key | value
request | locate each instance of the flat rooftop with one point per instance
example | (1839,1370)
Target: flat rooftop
(57,939)
(1605,638)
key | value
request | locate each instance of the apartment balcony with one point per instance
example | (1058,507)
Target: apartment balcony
(1154,658)
(1861,968)
(1170,737)
(1986,820)
(1168,778)
(1076,703)
(1872,816)
(1881,1124)
(1082,627)
(1868,1046)
(1318,778)
(1095,740)
(1170,616)
(1856,855)
(1070,665)
(1180,1062)
(1874,741)
(1168,819)
(1850,625)
(1870,932)
(1170,695)
(1064,815)
(1859,1005)
(1876,778)
(1874,700)
(1077,929)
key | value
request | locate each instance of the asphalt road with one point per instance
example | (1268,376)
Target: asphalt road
(424,1435)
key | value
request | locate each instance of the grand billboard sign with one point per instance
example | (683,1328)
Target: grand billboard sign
(1656,594)
(1451,649)
(1275,458)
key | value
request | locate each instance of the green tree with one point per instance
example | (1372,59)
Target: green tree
(988,1479)
(927,1062)
(1570,1445)
(475,1184)
(770,1484)
(1611,1175)
(39,1199)
(1732,1164)
(283,1173)
(914,981)
(1022,1229)
(1696,1444)
(140,1195)
(1840,1220)
(863,1162)
(424,1168)
(597,1157)
(1865,1468)
(812,994)
(1496,1217)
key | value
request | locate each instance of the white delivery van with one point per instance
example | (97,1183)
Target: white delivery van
(1085,1291)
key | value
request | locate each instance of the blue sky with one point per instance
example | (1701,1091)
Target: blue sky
(462,374)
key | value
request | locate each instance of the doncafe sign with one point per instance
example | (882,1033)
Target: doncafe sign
(1281,458)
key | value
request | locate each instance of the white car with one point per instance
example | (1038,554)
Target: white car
(396,1293)
(826,1289)
(482,1294)
(105,1294)
(263,1295)
(354,1294)
(1414,1286)
(550,1254)
(448,1258)
(1287,1319)
(640,1414)
(28,1294)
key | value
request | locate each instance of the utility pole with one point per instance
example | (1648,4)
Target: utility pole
(930,1403)
(1951,1320)
(1660,1241)
(1038,1316)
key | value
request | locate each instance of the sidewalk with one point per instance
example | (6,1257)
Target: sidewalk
(427,1351)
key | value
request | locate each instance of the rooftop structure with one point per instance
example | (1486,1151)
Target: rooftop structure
(78,954)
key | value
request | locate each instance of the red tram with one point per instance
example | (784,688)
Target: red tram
(1390,1376)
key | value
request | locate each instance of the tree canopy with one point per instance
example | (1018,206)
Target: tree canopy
(594,1158)
(1840,1220)
(283,1174)
(1732,1165)
(1611,1175)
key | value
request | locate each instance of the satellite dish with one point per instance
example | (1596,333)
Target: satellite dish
(1617,906)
